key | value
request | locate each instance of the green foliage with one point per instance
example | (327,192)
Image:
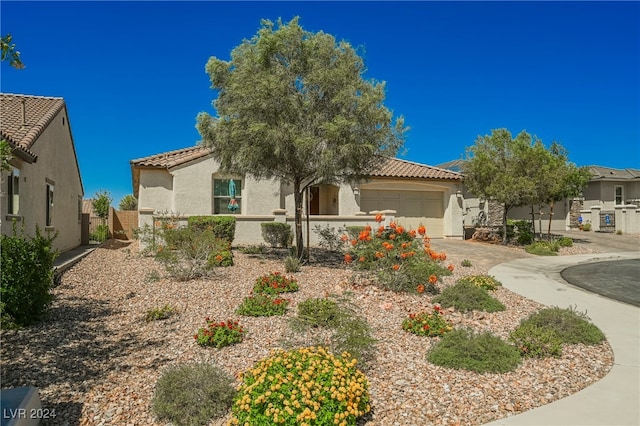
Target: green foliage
(428,323)
(27,277)
(523,231)
(329,237)
(354,230)
(223,227)
(482,353)
(543,248)
(220,253)
(483,281)
(465,296)
(262,305)
(292,264)
(5,155)
(219,334)
(187,253)
(569,325)
(128,202)
(619,232)
(9,52)
(466,263)
(101,234)
(319,312)
(302,386)
(586,227)
(160,313)
(253,249)
(101,203)
(275,283)
(192,394)
(296,106)
(536,342)
(276,233)
(564,242)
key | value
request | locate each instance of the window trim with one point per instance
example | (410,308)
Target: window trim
(214,197)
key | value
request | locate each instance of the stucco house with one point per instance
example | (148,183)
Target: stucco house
(44,186)
(188,182)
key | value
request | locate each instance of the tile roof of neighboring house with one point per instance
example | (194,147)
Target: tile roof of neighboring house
(455,165)
(172,158)
(23,118)
(397,168)
(608,173)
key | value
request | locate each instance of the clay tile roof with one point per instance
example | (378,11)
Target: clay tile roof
(397,168)
(22,126)
(172,158)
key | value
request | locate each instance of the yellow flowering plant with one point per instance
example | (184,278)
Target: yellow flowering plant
(305,386)
(483,281)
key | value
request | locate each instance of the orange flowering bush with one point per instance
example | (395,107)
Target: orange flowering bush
(396,258)
(427,323)
(275,283)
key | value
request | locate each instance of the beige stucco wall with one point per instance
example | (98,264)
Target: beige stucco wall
(602,193)
(56,162)
(156,190)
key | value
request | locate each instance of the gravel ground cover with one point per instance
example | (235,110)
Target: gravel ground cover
(96,360)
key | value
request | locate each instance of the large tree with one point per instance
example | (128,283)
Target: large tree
(9,52)
(496,169)
(295,105)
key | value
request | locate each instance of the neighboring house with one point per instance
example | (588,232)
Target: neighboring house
(612,187)
(188,182)
(44,186)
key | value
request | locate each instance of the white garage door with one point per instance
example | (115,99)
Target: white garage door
(413,207)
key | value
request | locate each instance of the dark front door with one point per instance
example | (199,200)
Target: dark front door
(314,195)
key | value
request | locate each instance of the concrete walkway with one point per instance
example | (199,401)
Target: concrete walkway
(613,400)
(69,258)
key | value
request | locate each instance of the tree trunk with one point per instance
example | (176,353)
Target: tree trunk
(298,199)
(505,212)
(533,221)
(550,217)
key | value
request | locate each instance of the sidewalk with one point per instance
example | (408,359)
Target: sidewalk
(613,400)
(68,258)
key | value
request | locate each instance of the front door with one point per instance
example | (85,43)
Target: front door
(314,204)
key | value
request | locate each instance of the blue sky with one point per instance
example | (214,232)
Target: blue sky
(132,73)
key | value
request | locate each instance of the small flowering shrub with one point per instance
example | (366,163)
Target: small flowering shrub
(307,386)
(219,334)
(262,305)
(429,324)
(536,342)
(275,283)
(396,257)
(483,281)
(220,254)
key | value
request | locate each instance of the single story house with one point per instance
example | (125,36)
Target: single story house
(189,182)
(43,186)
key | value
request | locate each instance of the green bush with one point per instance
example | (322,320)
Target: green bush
(483,281)
(192,394)
(523,231)
(275,283)
(536,342)
(565,242)
(220,254)
(427,323)
(101,234)
(482,353)
(219,334)
(543,248)
(354,230)
(253,249)
(292,264)
(302,386)
(465,296)
(586,227)
(466,263)
(160,313)
(570,325)
(188,253)
(262,305)
(26,278)
(277,234)
(329,237)
(222,226)
(319,312)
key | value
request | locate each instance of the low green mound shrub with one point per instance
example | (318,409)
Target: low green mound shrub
(482,353)
(277,234)
(275,283)
(192,394)
(160,313)
(565,242)
(586,227)
(465,297)
(466,263)
(483,281)
(536,342)
(219,334)
(428,323)
(262,305)
(253,249)
(570,325)
(223,227)
(543,248)
(303,386)
(101,234)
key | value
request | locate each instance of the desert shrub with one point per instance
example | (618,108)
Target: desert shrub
(101,234)
(253,249)
(262,305)
(220,254)
(277,233)
(570,325)
(543,248)
(26,278)
(319,312)
(565,242)
(192,394)
(219,334)
(274,283)
(465,297)
(466,263)
(586,227)
(223,227)
(482,353)
(292,264)
(523,232)
(427,323)
(302,386)
(536,342)
(329,237)
(160,313)
(188,253)
(483,281)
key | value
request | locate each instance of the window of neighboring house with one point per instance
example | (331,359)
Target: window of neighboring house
(14,192)
(619,194)
(49,218)
(223,202)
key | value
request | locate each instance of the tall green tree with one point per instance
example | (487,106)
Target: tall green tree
(101,203)
(294,105)
(128,202)
(496,169)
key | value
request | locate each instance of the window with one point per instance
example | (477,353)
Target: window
(223,202)
(619,194)
(14,192)
(49,218)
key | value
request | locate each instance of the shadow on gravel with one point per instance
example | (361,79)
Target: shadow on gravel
(319,256)
(70,351)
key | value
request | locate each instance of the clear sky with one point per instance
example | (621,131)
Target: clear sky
(132,73)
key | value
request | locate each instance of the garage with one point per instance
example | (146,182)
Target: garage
(413,207)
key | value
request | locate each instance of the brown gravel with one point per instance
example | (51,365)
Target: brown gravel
(96,361)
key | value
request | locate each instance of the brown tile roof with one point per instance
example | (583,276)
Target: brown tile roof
(397,168)
(172,158)
(23,118)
